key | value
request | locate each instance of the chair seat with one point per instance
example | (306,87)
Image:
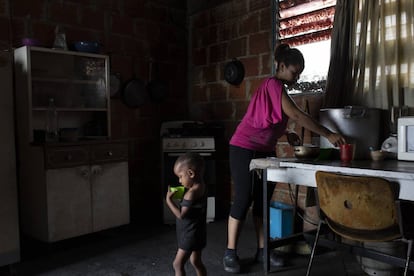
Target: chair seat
(386,234)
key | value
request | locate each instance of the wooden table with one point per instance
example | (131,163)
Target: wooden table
(302,172)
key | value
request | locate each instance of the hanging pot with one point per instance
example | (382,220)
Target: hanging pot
(157,89)
(234,72)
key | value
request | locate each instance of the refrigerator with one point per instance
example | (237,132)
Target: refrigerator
(9,218)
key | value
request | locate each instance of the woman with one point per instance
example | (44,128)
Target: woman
(256,136)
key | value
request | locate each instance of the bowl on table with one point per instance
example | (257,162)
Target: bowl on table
(378,155)
(306,151)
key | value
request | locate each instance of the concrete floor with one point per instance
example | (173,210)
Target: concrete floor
(132,250)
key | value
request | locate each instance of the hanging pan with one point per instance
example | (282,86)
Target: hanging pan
(134,93)
(234,72)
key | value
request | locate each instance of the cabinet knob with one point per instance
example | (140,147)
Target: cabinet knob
(84,172)
(68,157)
(110,153)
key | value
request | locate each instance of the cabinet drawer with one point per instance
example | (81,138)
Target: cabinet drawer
(109,152)
(60,157)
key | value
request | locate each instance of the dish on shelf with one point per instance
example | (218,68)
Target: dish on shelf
(87,46)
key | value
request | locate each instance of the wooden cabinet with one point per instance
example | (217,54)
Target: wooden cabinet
(76,189)
(78,184)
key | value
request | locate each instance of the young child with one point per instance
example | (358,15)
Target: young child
(190,214)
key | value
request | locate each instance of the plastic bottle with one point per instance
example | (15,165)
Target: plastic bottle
(51,122)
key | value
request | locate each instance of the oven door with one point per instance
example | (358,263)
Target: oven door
(170,179)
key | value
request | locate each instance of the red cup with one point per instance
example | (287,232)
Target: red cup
(346,152)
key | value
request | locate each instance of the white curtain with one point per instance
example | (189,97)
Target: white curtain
(382,48)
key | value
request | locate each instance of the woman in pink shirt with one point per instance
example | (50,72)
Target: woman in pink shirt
(255,137)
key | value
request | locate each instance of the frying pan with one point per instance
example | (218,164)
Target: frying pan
(134,93)
(234,72)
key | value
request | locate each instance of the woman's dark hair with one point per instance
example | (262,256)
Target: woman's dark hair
(289,56)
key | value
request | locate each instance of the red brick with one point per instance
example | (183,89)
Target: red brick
(200,37)
(260,43)
(156,13)
(199,56)
(218,92)
(34,8)
(200,20)
(4,29)
(64,13)
(240,110)
(260,4)
(4,8)
(210,73)
(239,8)
(249,24)
(267,63)
(265,20)
(205,111)
(237,92)
(199,93)
(44,32)
(135,8)
(228,30)
(251,66)
(212,35)
(92,18)
(218,52)
(237,48)
(222,111)
(122,25)
(220,13)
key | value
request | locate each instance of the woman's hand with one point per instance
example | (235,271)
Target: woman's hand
(293,138)
(336,139)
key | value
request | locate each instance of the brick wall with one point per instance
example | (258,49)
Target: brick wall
(130,31)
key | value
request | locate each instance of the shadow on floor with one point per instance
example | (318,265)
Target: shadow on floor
(135,250)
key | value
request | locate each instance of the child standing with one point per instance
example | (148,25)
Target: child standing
(190,214)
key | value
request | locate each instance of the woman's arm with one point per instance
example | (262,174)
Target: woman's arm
(295,113)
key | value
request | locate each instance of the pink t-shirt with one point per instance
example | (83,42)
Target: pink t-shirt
(264,121)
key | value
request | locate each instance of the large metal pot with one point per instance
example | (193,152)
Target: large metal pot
(359,125)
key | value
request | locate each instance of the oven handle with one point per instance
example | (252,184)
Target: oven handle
(201,153)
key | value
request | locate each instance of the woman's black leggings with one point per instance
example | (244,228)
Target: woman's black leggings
(247,185)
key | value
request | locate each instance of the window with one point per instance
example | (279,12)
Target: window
(307,25)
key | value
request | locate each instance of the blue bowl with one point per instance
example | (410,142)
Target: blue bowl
(86,46)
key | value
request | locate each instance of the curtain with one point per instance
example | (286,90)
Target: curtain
(378,66)
(339,80)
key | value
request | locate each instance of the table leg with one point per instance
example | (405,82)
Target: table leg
(266,224)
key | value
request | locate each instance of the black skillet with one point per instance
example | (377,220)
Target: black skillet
(134,93)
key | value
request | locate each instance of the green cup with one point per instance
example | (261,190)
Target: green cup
(179,192)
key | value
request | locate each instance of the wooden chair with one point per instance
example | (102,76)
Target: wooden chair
(364,209)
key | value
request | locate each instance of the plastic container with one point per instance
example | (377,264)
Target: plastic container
(281,220)
(179,192)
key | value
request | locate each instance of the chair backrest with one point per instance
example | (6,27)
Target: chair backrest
(358,207)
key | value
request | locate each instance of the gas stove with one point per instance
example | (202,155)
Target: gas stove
(181,136)
(174,144)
